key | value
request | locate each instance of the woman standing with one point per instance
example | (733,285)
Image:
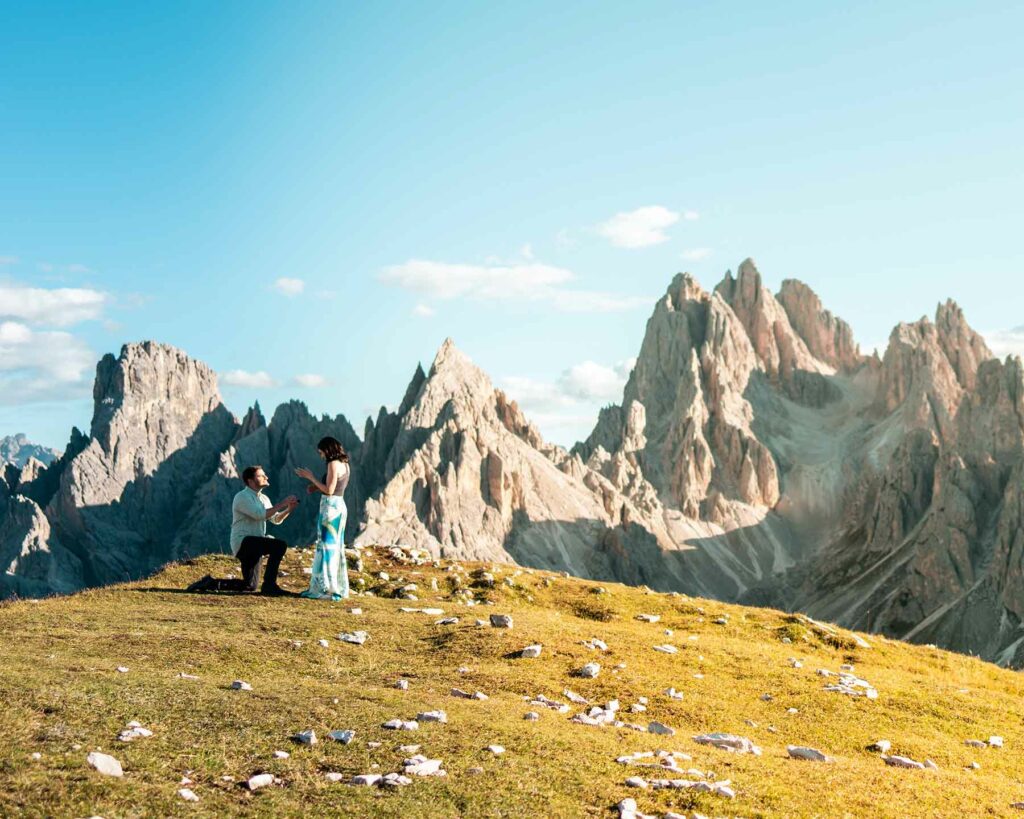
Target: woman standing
(330,571)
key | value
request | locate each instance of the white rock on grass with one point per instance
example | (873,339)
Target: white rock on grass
(260,781)
(333,776)
(365,779)
(446,621)
(595,644)
(648,618)
(355,638)
(975,743)
(531,652)
(995,741)
(656,727)
(635,782)
(501,620)
(105,764)
(540,699)
(589,671)
(728,742)
(305,737)
(281,755)
(402,685)
(667,649)
(184,676)
(342,736)
(901,762)
(802,752)
(134,731)
(401,725)
(531,716)
(465,695)
(394,780)
(187,795)
(930,765)
(241,685)
(572,696)
(419,765)
(671,693)
(123,669)
(432,716)
(497,750)
(882,745)
(322,643)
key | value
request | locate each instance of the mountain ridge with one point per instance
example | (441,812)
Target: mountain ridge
(756,455)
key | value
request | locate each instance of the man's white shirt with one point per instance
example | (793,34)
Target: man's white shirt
(249,517)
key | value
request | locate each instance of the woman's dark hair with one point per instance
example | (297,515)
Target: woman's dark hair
(332,449)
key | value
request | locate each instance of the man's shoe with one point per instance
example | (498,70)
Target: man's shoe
(201,585)
(275,591)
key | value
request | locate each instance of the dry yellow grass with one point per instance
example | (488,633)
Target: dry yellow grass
(62,697)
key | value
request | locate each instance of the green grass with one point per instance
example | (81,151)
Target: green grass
(59,688)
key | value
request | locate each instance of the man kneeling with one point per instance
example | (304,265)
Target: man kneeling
(250,511)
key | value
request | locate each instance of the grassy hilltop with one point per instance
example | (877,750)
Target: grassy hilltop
(62,696)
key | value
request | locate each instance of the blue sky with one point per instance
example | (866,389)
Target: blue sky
(328,190)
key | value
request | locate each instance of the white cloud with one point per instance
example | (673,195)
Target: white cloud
(290,287)
(504,282)
(42,365)
(590,381)
(526,251)
(695,254)
(423,311)
(242,378)
(1006,342)
(309,380)
(642,227)
(60,307)
(585,386)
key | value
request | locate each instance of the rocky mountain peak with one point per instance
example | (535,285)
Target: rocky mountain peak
(17,449)
(828,337)
(964,348)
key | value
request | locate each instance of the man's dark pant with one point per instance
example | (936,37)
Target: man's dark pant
(251,554)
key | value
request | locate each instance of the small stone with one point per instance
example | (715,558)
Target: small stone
(882,745)
(671,693)
(306,737)
(792,710)
(241,685)
(365,779)
(531,652)
(721,621)
(122,669)
(281,755)
(501,620)
(105,764)
(648,618)
(419,765)
(332,776)
(728,742)
(801,752)
(432,716)
(184,676)
(322,643)
(395,780)
(401,725)
(930,765)
(974,766)
(636,782)
(595,644)
(531,716)
(475,771)
(901,762)
(402,685)
(995,741)
(355,611)
(187,795)
(260,781)
(446,621)
(589,671)
(660,728)
(667,649)
(496,749)
(975,743)
(355,637)
(627,808)
(344,737)
(37,756)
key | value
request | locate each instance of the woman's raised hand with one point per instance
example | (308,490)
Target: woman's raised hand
(302,472)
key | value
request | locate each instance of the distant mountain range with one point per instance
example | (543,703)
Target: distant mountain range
(17,449)
(757,456)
